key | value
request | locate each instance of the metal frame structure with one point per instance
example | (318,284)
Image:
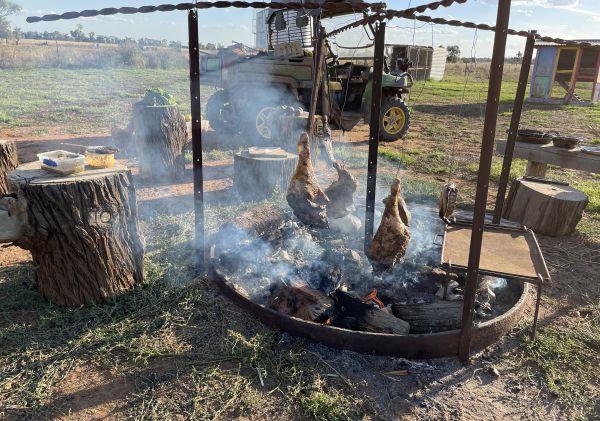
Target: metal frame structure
(461,340)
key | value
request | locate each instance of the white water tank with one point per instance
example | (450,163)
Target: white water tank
(261,39)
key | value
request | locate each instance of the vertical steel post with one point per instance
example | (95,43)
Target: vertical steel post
(316,89)
(194,55)
(374,123)
(514,126)
(483,178)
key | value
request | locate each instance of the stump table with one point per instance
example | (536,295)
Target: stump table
(160,135)
(82,231)
(8,162)
(256,177)
(546,208)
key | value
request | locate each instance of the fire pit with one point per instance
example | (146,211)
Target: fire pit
(267,248)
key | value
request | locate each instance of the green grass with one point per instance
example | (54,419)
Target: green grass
(204,364)
(86,100)
(407,158)
(567,361)
(517,169)
(592,190)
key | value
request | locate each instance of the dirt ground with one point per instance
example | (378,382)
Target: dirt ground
(440,389)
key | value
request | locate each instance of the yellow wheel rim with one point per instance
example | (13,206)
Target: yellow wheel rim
(263,122)
(394,120)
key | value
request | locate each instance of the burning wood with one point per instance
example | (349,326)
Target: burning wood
(304,194)
(301,301)
(341,193)
(342,309)
(391,239)
(354,314)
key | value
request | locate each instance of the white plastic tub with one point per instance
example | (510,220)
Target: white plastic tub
(62,162)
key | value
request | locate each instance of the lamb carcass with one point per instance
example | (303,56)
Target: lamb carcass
(402,209)
(391,239)
(304,195)
(341,193)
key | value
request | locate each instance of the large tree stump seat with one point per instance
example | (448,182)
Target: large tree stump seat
(160,136)
(256,177)
(82,231)
(8,162)
(546,208)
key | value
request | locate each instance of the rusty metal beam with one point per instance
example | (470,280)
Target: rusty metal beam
(485,163)
(314,93)
(194,55)
(514,126)
(374,123)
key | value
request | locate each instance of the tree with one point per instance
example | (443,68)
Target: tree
(17,34)
(7,8)
(4,29)
(78,34)
(518,58)
(453,54)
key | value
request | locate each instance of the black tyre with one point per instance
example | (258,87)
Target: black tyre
(219,112)
(394,120)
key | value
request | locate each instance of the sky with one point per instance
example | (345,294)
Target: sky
(569,19)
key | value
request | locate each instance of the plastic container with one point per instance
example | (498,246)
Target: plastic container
(99,160)
(62,162)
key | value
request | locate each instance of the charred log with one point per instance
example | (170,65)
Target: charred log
(437,316)
(299,300)
(352,313)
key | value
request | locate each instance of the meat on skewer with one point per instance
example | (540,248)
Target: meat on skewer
(341,193)
(304,195)
(391,239)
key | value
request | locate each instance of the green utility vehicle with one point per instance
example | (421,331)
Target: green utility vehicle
(254,82)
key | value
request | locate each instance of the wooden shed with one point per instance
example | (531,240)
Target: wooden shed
(427,62)
(564,73)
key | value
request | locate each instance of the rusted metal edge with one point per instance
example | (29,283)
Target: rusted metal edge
(194,54)
(483,177)
(432,345)
(374,128)
(514,127)
(391,14)
(353,5)
(316,88)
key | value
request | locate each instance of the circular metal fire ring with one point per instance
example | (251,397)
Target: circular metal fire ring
(428,345)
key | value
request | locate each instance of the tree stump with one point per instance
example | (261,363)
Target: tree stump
(256,177)
(82,231)
(160,135)
(8,162)
(550,209)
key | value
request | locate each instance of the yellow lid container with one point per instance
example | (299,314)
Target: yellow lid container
(99,160)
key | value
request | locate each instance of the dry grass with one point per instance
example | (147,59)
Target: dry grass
(71,54)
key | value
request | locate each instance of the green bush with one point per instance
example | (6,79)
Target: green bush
(156,97)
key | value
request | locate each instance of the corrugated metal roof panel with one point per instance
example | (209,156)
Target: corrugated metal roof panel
(438,64)
(594,42)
